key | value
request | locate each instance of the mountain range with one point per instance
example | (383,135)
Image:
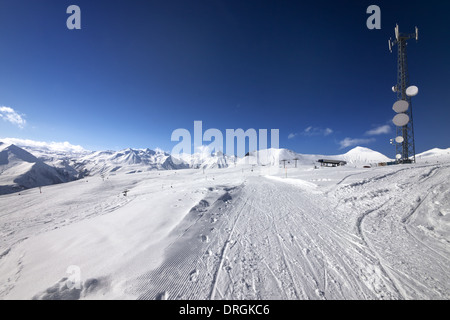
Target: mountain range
(28,167)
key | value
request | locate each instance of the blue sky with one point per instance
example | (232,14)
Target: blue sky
(137,70)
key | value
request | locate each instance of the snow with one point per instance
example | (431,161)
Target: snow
(20,170)
(235,229)
(363,155)
(237,232)
(135,160)
(435,154)
(270,157)
(62,162)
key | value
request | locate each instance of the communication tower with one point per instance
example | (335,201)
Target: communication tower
(405,146)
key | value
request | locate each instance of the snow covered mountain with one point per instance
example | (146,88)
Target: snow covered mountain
(128,160)
(363,155)
(206,160)
(32,166)
(357,155)
(20,170)
(435,154)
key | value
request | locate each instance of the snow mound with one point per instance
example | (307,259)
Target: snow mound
(363,155)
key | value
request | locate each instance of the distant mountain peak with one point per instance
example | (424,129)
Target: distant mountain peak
(14,152)
(22,170)
(360,149)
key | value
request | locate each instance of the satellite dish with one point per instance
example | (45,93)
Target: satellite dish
(399,139)
(394,89)
(400,106)
(401,119)
(398,156)
(412,91)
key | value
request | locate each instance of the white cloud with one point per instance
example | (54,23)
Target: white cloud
(292,135)
(327,132)
(316,131)
(350,142)
(51,146)
(9,114)
(385,129)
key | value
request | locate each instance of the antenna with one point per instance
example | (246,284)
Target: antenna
(390,45)
(400,106)
(401,119)
(412,91)
(405,147)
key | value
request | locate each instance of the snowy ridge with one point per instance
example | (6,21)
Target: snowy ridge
(20,170)
(132,160)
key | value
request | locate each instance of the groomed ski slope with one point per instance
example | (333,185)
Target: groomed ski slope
(235,233)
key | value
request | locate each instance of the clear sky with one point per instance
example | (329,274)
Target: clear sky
(137,70)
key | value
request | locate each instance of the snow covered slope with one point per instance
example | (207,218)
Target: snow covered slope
(435,154)
(20,170)
(234,233)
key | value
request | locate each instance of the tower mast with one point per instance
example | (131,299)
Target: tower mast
(406,151)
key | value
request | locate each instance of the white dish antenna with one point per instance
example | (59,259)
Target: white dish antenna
(398,156)
(394,89)
(400,106)
(401,119)
(399,139)
(412,91)
(396,32)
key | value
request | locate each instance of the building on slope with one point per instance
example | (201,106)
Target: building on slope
(331,163)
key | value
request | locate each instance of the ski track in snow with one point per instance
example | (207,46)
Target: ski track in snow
(363,234)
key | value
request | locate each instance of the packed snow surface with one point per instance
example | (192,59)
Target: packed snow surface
(240,232)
